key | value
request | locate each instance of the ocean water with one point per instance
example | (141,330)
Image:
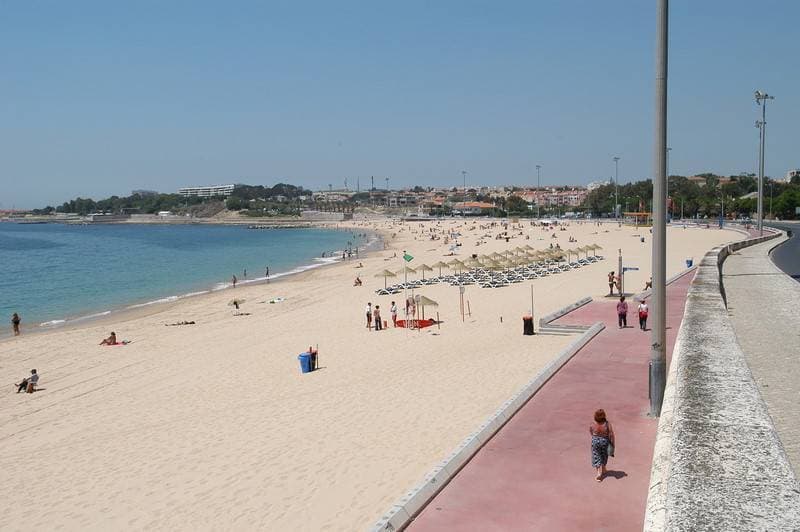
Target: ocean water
(52,273)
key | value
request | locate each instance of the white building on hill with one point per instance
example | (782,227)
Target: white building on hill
(207,192)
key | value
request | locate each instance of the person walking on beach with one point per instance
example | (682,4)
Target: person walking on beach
(377,315)
(15,321)
(266,274)
(233,280)
(611,283)
(393,312)
(643,311)
(622,312)
(369,315)
(603,442)
(244,273)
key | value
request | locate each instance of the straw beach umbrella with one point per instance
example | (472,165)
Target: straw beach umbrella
(423,301)
(440,265)
(405,271)
(385,274)
(424,268)
(456,264)
(473,263)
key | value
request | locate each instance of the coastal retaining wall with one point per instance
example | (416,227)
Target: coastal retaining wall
(407,507)
(718,463)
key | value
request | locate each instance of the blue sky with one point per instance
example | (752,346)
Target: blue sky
(99,98)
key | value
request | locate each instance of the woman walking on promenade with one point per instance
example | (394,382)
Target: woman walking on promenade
(622,313)
(643,315)
(602,443)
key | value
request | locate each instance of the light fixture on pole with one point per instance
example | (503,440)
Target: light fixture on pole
(670,213)
(761,99)
(616,187)
(464,175)
(658,353)
(538,186)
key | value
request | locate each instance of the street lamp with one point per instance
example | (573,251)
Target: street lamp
(616,187)
(761,99)
(464,175)
(658,355)
(538,186)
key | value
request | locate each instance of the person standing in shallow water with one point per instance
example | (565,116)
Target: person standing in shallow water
(15,321)
(602,436)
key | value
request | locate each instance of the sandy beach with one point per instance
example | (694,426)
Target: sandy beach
(212,425)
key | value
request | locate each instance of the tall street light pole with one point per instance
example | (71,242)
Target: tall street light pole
(616,187)
(658,354)
(464,175)
(761,99)
(538,187)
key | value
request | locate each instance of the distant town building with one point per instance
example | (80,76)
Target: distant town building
(792,173)
(597,184)
(701,180)
(472,207)
(207,192)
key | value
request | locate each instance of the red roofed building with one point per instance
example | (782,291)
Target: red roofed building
(473,207)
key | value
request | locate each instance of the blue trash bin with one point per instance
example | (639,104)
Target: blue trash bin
(689,263)
(305,362)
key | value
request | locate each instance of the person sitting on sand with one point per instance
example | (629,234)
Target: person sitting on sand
(357,282)
(29,384)
(111,340)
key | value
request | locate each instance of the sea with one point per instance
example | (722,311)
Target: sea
(52,274)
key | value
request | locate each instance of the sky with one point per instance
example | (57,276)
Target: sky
(100,98)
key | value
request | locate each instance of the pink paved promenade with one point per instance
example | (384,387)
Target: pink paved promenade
(536,473)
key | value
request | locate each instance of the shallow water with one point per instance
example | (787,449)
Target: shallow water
(53,272)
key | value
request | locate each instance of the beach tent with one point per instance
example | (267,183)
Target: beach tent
(385,274)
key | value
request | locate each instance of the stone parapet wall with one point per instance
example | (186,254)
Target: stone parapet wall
(718,462)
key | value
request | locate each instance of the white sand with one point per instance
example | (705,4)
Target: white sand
(212,426)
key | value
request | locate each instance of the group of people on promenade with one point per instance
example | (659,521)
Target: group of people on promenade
(622,313)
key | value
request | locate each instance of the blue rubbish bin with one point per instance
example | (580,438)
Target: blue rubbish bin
(689,263)
(305,362)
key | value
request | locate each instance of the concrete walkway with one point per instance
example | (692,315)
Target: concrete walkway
(763,304)
(536,473)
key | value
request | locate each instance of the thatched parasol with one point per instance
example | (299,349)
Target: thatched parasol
(385,274)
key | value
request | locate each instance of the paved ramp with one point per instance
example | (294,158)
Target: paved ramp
(536,473)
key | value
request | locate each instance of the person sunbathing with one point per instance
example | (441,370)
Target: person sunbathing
(111,340)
